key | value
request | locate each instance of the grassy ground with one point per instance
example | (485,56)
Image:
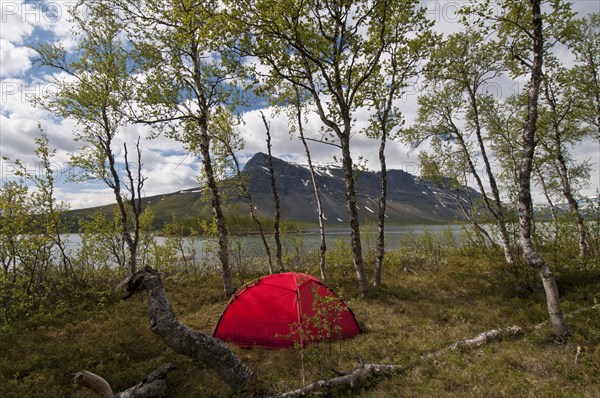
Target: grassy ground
(419,309)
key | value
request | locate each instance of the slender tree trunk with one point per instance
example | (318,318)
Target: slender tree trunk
(323,243)
(381,212)
(525,205)
(584,247)
(363,283)
(347,166)
(504,237)
(248,195)
(596,81)
(499,213)
(55,220)
(553,211)
(563,172)
(258,224)
(276,226)
(313,178)
(479,230)
(115,185)
(54,224)
(211,182)
(383,116)
(219,217)
(550,204)
(135,201)
(261,232)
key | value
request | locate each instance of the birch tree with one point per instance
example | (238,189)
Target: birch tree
(525,206)
(275,192)
(528,34)
(185,75)
(227,139)
(331,49)
(562,124)
(295,104)
(447,168)
(461,71)
(400,63)
(585,45)
(94,95)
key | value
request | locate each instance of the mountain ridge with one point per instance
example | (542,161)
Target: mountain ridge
(410,199)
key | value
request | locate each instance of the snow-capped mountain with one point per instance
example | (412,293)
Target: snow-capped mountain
(410,199)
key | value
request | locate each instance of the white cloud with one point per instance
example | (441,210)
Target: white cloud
(290,147)
(20,121)
(14,61)
(171,174)
(90,195)
(30,23)
(165,163)
(16,20)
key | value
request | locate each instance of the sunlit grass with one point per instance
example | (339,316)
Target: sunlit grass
(419,309)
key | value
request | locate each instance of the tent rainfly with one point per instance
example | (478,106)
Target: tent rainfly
(280,310)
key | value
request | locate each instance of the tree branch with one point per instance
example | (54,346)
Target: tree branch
(364,371)
(320,141)
(478,341)
(94,382)
(204,349)
(153,385)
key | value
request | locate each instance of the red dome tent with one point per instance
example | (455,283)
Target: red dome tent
(268,312)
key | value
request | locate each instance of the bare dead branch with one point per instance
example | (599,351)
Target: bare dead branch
(320,141)
(276,201)
(487,337)
(94,382)
(478,341)
(153,385)
(361,373)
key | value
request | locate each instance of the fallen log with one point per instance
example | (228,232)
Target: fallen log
(370,369)
(349,379)
(94,382)
(153,385)
(487,337)
(478,341)
(205,349)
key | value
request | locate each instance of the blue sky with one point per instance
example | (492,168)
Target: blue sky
(168,167)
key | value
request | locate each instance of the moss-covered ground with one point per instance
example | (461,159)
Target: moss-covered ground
(421,307)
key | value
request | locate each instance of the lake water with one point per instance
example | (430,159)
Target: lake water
(200,250)
(252,246)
